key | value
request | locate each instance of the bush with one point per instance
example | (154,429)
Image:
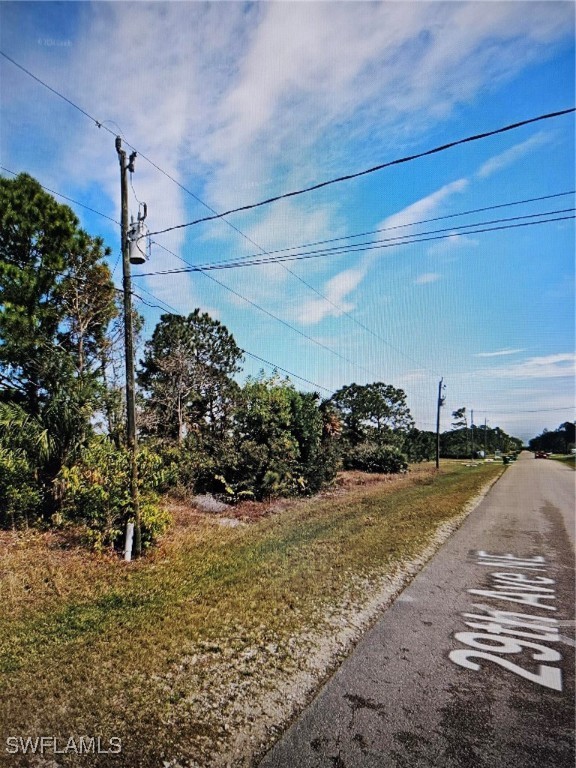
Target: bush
(370,457)
(20,497)
(96,493)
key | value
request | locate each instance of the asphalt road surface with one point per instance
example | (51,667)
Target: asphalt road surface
(473,665)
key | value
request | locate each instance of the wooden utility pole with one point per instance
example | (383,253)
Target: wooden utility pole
(129,349)
(439,405)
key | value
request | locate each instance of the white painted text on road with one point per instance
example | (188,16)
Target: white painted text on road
(498,632)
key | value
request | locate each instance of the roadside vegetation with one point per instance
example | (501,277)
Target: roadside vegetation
(179,653)
(569,461)
(559,441)
(271,518)
(64,464)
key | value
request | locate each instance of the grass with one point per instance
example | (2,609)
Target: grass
(173,653)
(569,461)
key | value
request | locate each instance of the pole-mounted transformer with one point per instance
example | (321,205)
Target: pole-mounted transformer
(138,241)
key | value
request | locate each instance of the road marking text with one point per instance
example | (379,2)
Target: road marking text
(498,631)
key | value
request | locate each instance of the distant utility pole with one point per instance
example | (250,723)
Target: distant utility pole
(472,430)
(129,351)
(441,387)
(485,425)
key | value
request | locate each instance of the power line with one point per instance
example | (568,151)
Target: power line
(274,366)
(254,304)
(287,195)
(373,169)
(100,124)
(319,185)
(415,223)
(345,312)
(382,229)
(434,150)
(70,199)
(341,250)
(257,306)
(386,243)
(204,271)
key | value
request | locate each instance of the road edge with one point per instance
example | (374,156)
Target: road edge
(321,654)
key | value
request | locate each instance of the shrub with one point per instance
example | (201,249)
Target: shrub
(281,444)
(20,497)
(370,457)
(96,493)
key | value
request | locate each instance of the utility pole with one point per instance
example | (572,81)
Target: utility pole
(472,431)
(129,350)
(485,424)
(441,386)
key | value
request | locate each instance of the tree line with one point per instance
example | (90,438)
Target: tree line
(468,440)
(63,453)
(560,440)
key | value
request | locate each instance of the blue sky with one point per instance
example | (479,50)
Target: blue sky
(238,102)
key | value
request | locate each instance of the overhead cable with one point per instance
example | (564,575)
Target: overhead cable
(319,185)
(100,124)
(273,366)
(373,169)
(432,151)
(387,243)
(412,224)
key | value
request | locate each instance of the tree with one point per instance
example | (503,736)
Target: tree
(419,445)
(36,233)
(452,442)
(55,306)
(459,418)
(460,438)
(282,443)
(376,412)
(87,299)
(559,440)
(112,367)
(186,375)
(266,452)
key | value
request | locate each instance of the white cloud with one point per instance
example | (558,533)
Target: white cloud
(237,101)
(427,277)
(499,353)
(544,367)
(512,155)
(245,91)
(336,291)
(423,208)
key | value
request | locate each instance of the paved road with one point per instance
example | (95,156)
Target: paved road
(473,665)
